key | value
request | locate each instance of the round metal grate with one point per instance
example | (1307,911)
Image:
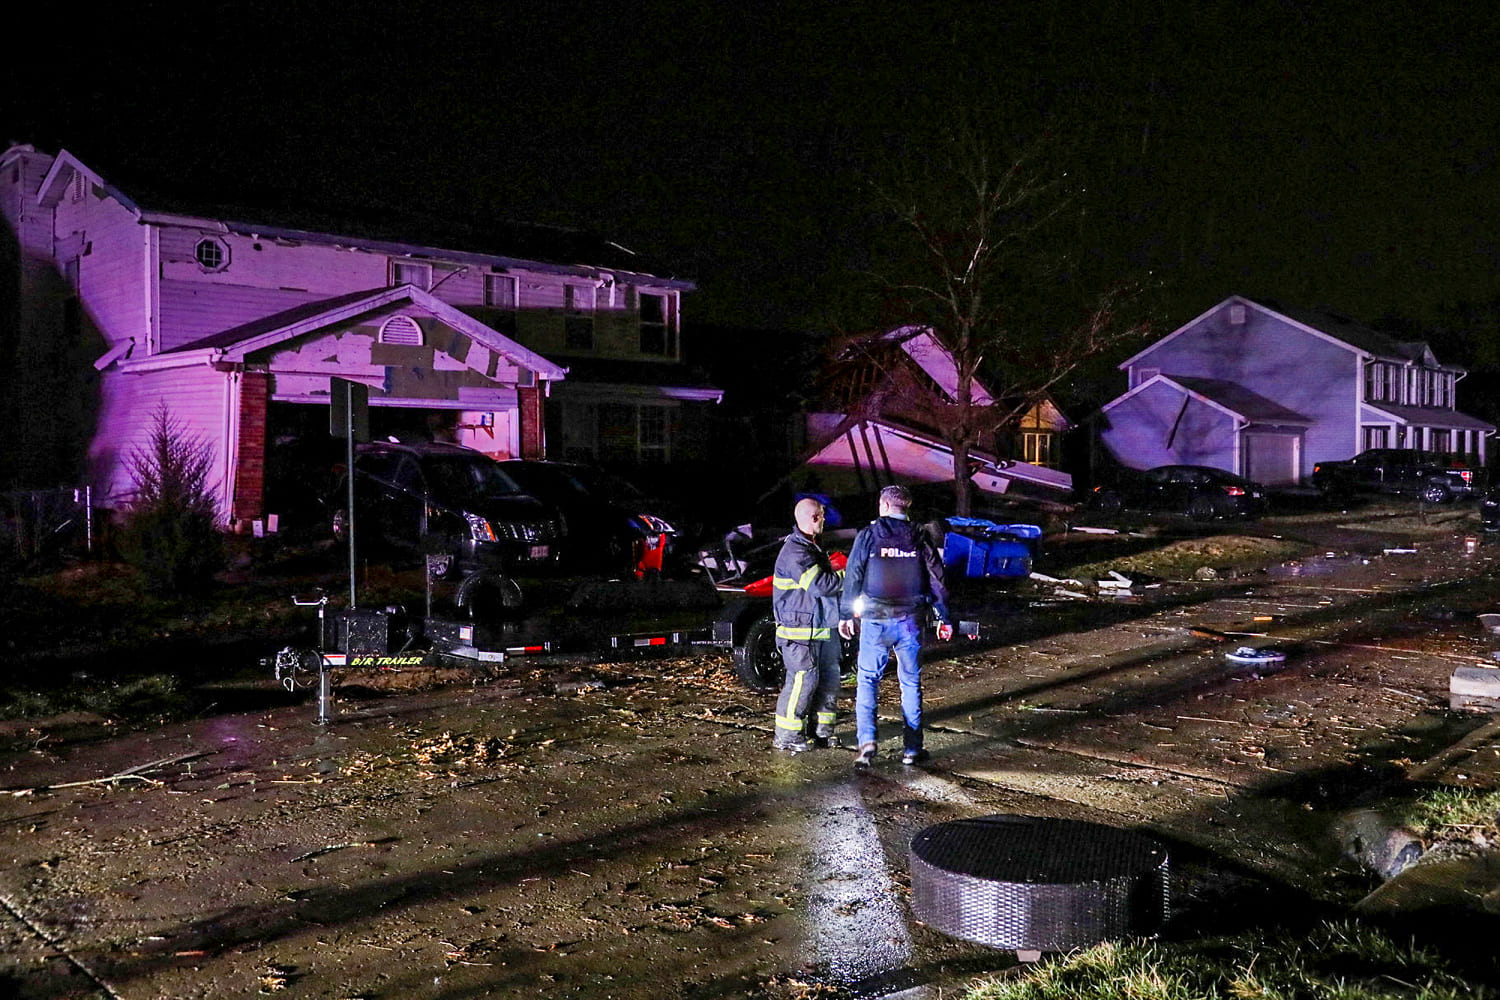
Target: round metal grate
(1030,883)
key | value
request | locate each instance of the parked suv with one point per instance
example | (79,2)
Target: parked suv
(451,502)
(1434,477)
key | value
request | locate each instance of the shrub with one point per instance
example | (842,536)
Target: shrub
(171,535)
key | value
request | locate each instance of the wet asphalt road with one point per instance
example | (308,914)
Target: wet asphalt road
(637,839)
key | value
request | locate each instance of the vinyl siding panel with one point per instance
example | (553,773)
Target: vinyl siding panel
(110,246)
(1303,372)
(1154,428)
(195,399)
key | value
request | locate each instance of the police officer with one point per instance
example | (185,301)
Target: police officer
(804,599)
(893,572)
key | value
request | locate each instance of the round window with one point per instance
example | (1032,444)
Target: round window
(211,254)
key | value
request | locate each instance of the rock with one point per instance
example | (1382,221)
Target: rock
(1205,573)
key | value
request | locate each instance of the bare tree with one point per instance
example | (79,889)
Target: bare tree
(982,269)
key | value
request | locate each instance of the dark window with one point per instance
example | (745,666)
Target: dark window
(578,317)
(658,332)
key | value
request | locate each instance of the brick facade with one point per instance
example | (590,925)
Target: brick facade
(250,471)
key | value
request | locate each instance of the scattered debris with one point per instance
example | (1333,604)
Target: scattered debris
(1094,531)
(1398,552)
(136,773)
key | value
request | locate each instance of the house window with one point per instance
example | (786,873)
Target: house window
(1144,375)
(1377,437)
(401,330)
(211,255)
(1036,447)
(500,295)
(578,317)
(410,272)
(655,435)
(658,329)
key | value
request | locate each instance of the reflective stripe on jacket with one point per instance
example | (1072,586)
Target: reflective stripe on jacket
(804,591)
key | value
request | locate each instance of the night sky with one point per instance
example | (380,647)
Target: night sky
(1322,154)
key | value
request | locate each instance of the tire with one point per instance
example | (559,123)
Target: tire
(1201,509)
(1436,493)
(756,660)
(485,596)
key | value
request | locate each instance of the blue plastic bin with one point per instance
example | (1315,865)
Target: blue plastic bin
(978,547)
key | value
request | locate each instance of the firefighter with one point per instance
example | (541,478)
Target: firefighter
(805,597)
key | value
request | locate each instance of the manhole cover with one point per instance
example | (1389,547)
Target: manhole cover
(1030,883)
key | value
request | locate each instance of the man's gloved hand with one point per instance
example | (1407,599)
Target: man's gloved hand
(846,628)
(838,561)
(944,631)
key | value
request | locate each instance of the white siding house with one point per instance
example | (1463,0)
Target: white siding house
(236,328)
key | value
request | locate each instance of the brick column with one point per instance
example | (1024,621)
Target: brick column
(250,468)
(533,437)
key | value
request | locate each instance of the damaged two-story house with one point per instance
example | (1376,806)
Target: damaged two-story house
(879,417)
(521,342)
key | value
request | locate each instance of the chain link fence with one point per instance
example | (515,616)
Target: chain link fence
(38,525)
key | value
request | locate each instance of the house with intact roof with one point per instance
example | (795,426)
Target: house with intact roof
(234,326)
(1267,391)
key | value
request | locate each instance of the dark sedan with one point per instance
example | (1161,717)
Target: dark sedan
(1195,490)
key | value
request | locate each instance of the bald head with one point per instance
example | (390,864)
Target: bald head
(810,516)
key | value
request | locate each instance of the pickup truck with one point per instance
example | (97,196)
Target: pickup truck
(1432,476)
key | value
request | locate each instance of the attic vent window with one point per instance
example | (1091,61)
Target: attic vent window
(401,330)
(211,255)
(1237,315)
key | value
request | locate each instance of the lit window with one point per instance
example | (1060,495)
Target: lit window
(401,330)
(211,255)
(1036,447)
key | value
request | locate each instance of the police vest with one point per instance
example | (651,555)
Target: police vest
(893,571)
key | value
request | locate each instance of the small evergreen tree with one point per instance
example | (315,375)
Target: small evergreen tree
(171,534)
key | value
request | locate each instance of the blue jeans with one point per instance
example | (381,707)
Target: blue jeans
(878,638)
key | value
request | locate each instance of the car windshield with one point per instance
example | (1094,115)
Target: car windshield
(458,478)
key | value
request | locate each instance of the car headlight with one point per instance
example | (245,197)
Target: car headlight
(479,529)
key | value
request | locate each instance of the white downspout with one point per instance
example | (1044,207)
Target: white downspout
(232,387)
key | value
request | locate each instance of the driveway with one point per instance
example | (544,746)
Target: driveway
(621,830)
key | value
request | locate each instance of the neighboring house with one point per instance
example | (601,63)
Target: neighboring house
(236,328)
(877,425)
(1266,391)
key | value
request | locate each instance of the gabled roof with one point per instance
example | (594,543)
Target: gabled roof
(1254,407)
(237,343)
(1327,326)
(382,229)
(1227,397)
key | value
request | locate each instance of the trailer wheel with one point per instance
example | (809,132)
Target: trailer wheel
(757,660)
